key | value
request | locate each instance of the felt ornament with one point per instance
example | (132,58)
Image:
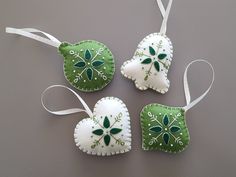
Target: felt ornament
(88,65)
(106,131)
(164,127)
(150,64)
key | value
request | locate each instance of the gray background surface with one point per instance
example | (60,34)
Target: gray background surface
(36,143)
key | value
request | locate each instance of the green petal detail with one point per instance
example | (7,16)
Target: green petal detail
(87,55)
(97,63)
(156,129)
(166,138)
(152,51)
(165,120)
(98,132)
(174,129)
(115,131)
(106,122)
(80,64)
(89,73)
(107,139)
(147,61)
(162,56)
(157,66)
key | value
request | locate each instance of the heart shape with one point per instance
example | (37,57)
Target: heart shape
(164,128)
(88,65)
(150,64)
(108,131)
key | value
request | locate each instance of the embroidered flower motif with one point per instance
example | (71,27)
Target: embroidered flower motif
(165,129)
(89,63)
(154,58)
(107,132)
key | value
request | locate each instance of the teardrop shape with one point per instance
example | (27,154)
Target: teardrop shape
(87,55)
(157,66)
(115,131)
(156,129)
(107,139)
(147,61)
(174,129)
(89,73)
(166,138)
(80,64)
(106,122)
(152,51)
(98,132)
(165,120)
(97,63)
(162,56)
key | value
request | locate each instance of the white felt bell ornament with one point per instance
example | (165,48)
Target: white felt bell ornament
(150,64)
(107,129)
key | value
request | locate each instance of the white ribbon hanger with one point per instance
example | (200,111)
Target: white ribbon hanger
(66,111)
(190,104)
(165,14)
(29,32)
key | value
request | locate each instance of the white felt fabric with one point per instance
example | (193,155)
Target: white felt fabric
(112,108)
(135,70)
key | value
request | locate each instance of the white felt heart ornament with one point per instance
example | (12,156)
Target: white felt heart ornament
(107,129)
(151,61)
(150,64)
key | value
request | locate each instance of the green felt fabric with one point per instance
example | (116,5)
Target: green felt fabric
(88,66)
(164,128)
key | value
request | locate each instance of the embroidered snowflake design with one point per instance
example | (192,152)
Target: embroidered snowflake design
(166,130)
(107,131)
(89,64)
(154,59)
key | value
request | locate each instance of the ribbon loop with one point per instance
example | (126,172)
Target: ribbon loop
(165,14)
(29,32)
(67,111)
(190,104)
